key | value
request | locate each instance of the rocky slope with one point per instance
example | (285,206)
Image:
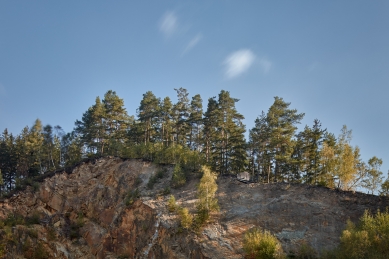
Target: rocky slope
(84,214)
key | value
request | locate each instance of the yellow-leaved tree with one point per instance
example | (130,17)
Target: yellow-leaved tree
(342,166)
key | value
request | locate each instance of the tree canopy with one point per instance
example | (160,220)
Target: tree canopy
(190,136)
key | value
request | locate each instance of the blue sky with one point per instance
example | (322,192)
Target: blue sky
(330,59)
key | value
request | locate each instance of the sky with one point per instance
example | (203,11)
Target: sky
(329,59)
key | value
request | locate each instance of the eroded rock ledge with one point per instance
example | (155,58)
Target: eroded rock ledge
(85,215)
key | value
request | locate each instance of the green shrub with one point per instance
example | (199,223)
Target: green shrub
(26,245)
(35,186)
(131,197)
(13,220)
(32,233)
(33,219)
(171,204)
(37,251)
(259,244)
(206,192)
(138,181)
(51,235)
(201,218)
(305,251)
(75,226)
(178,177)
(74,231)
(152,180)
(166,191)
(186,218)
(40,252)
(2,249)
(161,173)
(369,238)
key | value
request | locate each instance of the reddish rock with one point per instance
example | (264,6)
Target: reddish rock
(84,215)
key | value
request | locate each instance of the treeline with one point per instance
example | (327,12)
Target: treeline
(186,134)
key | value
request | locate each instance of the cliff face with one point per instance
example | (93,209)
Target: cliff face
(84,215)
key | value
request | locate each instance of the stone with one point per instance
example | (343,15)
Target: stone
(87,211)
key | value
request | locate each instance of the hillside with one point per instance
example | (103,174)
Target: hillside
(83,214)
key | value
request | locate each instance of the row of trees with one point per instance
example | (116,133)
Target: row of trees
(279,153)
(34,151)
(184,133)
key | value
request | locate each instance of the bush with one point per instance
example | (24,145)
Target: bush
(32,233)
(51,235)
(152,180)
(166,191)
(201,218)
(13,220)
(40,252)
(138,181)
(76,226)
(33,219)
(161,173)
(367,239)
(178,178)
(305,251)
(206,192)
(171,204)
(259,244)
(35,186)
(186,218)
(131,197)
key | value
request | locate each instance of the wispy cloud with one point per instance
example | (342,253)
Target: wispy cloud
(265,64)
(168,24)
(192,43)
(238,62)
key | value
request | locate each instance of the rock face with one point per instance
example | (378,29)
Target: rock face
(84,215)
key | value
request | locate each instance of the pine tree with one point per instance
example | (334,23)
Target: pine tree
(260,139)
(103,127)
(195,122)
(209,131)
(1,183)
(72,148)
(148,116)
(116,122)
(229,144)
(92,128)
(166,127)
(180,116)
(8,160)
(281,122)
(309,143)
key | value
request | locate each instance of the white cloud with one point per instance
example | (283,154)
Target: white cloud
(265,65)
(193,43)
(238,62)
(168,24)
